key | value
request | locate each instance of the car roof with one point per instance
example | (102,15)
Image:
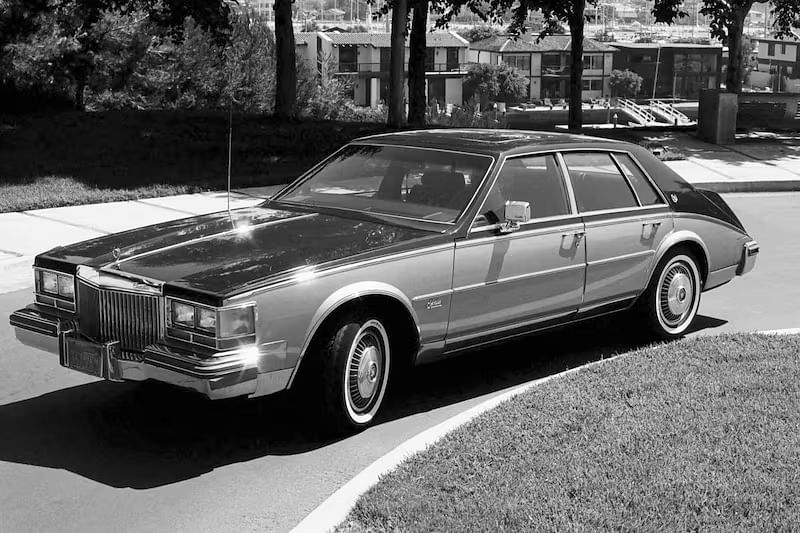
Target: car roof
(488,141)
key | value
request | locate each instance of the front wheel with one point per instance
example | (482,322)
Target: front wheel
(356,362)
(670,304)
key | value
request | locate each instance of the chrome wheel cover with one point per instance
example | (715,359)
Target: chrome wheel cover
(678,294)
(366,371)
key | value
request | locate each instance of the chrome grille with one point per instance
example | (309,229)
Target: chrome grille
(135,320)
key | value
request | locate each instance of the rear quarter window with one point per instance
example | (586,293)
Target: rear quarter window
(644,189)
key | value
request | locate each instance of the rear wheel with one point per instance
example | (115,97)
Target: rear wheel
(670,304)
(355,369)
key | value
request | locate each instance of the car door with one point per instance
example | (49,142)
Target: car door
(625,218)
(505,282)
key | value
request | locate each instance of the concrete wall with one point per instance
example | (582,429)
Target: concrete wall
(790,55)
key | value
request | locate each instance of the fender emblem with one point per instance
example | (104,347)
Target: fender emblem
(674,198)
(433,304)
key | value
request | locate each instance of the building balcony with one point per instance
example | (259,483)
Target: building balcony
(383,68)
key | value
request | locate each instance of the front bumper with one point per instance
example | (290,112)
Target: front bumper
(250,371)
(748,260)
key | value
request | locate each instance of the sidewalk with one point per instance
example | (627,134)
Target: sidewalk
(756,164)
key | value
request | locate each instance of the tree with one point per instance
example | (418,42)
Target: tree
(554,12)
(416,64)
(396,116)
(499,83)
(479,33)
(625,83)
(73,32)
(285,61)
(727,24)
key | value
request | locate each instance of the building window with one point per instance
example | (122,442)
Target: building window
(592,85)
(593,62)
(386,59)
(771,49)
(783,49)
(430,54)
(518,61)
(348,59)
(551,64)
(452,59)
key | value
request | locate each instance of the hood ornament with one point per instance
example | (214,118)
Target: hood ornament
(116,252)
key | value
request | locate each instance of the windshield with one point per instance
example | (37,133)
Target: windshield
(418,183)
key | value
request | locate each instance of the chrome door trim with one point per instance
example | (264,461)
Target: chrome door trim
(517,277)
(522,231)
(306,274)
(500,329)
(573,202)
(621,257)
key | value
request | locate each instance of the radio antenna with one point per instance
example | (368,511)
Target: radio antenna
(230,152)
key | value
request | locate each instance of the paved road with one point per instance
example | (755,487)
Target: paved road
(78,454)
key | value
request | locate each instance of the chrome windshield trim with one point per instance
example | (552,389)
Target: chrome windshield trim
(459,218)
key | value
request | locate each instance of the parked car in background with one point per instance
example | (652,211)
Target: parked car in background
(397,249)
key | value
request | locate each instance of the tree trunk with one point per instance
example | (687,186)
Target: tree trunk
(80,89)
(416,65)
(734,74)
(285,67)
(397,109)
(576,25)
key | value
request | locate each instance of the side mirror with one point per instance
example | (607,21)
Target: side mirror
(516,213)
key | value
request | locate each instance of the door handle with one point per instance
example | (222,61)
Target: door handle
(577,235)
(655,225)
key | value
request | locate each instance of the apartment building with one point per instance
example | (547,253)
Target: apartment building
(780,56)
(364,58)
(679,70)
(546,63)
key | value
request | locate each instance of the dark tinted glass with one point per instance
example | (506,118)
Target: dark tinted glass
(647,194)
(597,182)
(536,180)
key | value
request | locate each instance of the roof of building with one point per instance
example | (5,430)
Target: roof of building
(794,37)
(303,37)
(656,46)
(529,43)
(383,40)
(483,141)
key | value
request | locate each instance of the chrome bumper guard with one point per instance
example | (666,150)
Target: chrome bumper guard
(748,261)
(251,371)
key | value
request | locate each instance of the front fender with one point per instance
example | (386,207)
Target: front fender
(342,296)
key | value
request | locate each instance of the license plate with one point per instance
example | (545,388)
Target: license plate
(84,357)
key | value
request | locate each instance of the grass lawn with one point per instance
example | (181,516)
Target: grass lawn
(701,434)
(70,158)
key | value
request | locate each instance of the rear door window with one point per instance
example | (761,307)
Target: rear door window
(597,182)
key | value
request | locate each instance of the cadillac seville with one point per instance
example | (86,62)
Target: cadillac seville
(398,249)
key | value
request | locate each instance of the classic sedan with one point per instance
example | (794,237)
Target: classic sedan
(398,249)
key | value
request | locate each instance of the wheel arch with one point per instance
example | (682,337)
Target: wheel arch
(391,301)
(689,240)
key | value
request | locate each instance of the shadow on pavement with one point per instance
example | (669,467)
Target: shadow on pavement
(148,435)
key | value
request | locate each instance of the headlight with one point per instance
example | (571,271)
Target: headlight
(66,287)
(182,314)
(207,319)
(212,326)
(237,322)
(56,284)
(50,282)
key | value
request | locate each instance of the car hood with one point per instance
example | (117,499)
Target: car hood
(224,252)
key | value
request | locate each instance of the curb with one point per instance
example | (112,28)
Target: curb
(334,510)
(750,186)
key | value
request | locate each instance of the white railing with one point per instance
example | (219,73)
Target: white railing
(642,115)
(670,113)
